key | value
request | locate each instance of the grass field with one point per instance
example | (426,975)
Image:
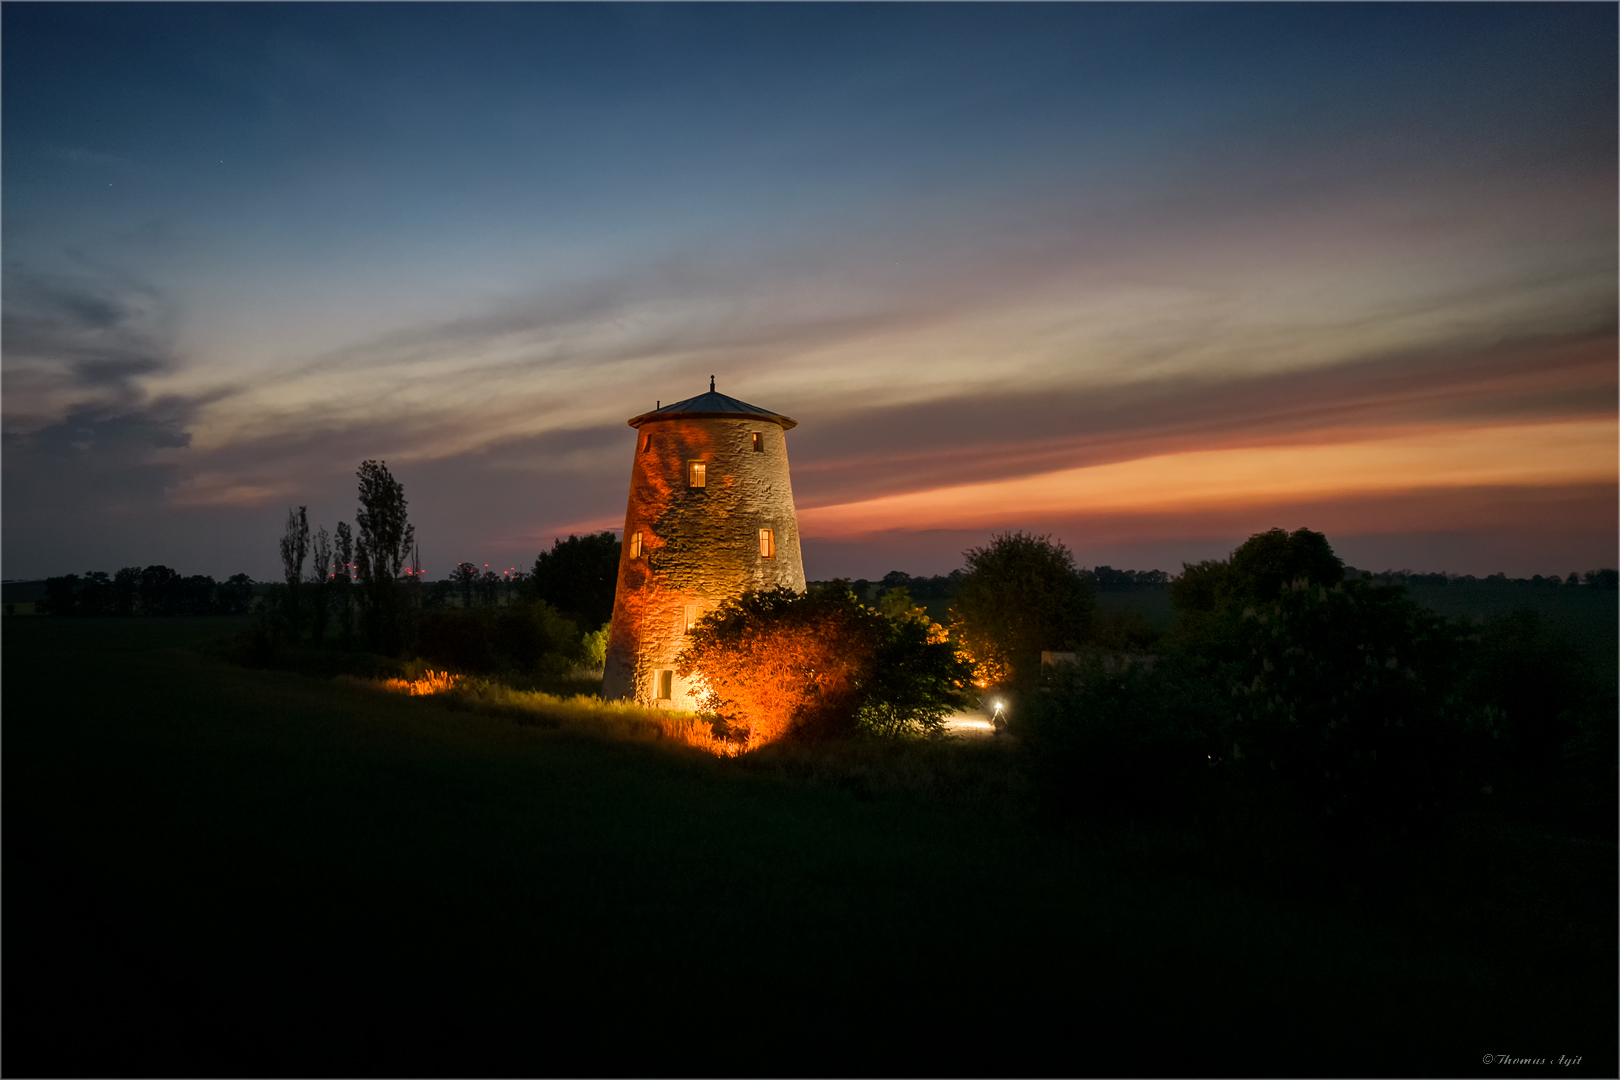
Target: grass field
(1153,604)
(1588,618)
(211,870)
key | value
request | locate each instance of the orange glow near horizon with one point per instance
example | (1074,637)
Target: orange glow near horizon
(1528,455)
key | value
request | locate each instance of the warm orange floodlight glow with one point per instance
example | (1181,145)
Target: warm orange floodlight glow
(431,682)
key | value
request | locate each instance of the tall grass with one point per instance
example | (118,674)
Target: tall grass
(431,682)
(580,713)
(980,773)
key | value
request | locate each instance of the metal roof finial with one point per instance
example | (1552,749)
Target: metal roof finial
(711,384)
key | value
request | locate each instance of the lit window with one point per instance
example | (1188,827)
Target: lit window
(666,685)
(767,544)
(759,443)
(635,545)
(691,617)
(697,474)
(646,443)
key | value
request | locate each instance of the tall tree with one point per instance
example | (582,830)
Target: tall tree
(294,550)
(160,591)
(320,578)
(385,542)
(236,595)
(62,595)
(96,595)
(489,588)
(343,577)
(1264,567)
(465,575)
(1270,560)
(578,577)
(1021,595)
(126,589)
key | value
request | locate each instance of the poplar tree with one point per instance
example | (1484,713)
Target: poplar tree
(320,579)
(294,550)
(343,577)
(465,575)
(385,542)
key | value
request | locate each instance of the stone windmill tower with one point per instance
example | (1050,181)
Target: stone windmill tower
(710,517)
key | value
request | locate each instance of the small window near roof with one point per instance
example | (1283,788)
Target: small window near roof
(666,685)
(767,544)
(697,474)
(646,443)
(759,443)
(635,545)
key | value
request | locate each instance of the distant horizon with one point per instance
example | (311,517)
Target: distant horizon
(1147,278)
(1172,571)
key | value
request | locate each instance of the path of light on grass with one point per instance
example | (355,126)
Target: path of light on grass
(969,724)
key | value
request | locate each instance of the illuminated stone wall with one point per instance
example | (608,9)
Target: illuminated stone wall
(700,546)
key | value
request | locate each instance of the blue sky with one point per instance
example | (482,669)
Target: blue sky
(993,258)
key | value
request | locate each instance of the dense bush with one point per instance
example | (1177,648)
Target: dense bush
(779,663)
(1551,720)
(1118,737)
(914,678)
(593,647)
(530,639)
(1346,702)
(1337,701)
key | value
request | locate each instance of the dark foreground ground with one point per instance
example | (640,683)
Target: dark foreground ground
(217,871)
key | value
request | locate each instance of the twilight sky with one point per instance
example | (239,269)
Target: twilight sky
(1149,278)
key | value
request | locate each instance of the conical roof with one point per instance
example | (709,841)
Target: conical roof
(713,405)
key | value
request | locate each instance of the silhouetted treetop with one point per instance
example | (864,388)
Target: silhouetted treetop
(386,534)
(1021,595)
(1257,570)
(578,577)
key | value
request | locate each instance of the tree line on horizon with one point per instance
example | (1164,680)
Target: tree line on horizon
(577,576)
(160,590)
(153,590)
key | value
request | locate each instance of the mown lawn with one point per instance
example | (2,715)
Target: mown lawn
(210,870)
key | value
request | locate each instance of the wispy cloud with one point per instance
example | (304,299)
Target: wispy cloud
(83,436)
(1548,454)
(1015,432)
